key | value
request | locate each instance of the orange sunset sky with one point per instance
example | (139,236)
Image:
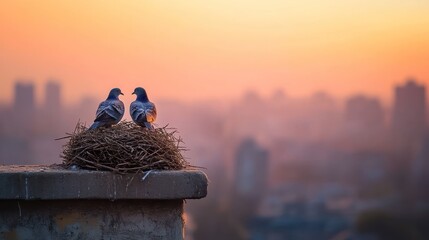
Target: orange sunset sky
(193,50)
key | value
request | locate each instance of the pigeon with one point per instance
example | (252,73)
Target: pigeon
(110,111)
(142,111)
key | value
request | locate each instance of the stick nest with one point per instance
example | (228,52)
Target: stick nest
(124,148)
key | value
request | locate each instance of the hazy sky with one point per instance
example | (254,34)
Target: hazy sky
(201,49)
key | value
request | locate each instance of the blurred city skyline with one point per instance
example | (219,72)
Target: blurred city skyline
(317,166)
(40,94)
(358,120)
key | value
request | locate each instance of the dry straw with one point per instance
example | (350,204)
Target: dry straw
(124,148)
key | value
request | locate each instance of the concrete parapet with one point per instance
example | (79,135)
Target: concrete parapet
(42,202)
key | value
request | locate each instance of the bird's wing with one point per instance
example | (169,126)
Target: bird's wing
(136,110)
(119,108)
(110,110)
(101,108)
(143,112)
(150,111)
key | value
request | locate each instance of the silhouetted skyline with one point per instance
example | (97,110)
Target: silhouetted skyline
(285,157)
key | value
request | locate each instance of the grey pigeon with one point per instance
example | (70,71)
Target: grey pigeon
(110,111)
(142,111)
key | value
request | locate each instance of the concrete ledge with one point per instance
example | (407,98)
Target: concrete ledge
(35,182)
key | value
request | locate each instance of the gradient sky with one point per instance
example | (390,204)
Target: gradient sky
(192,50)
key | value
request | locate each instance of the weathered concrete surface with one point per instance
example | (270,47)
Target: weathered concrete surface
(49,202)
(52,183)
(91,219)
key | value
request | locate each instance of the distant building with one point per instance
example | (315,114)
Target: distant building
(24,109)
(24,99)
(53,96)
(319,118)
(251,173)
(364,124)
(18,124)
(251,169)
(409,115)
(420,168)
(364,113)
(51,119)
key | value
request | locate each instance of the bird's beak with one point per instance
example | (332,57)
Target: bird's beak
(133,92)
(121,93)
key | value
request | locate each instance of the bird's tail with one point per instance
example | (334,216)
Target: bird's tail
(148,125)
(94,125)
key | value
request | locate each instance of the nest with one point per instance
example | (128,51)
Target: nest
(124,148)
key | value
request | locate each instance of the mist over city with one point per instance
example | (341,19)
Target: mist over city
(279,167)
